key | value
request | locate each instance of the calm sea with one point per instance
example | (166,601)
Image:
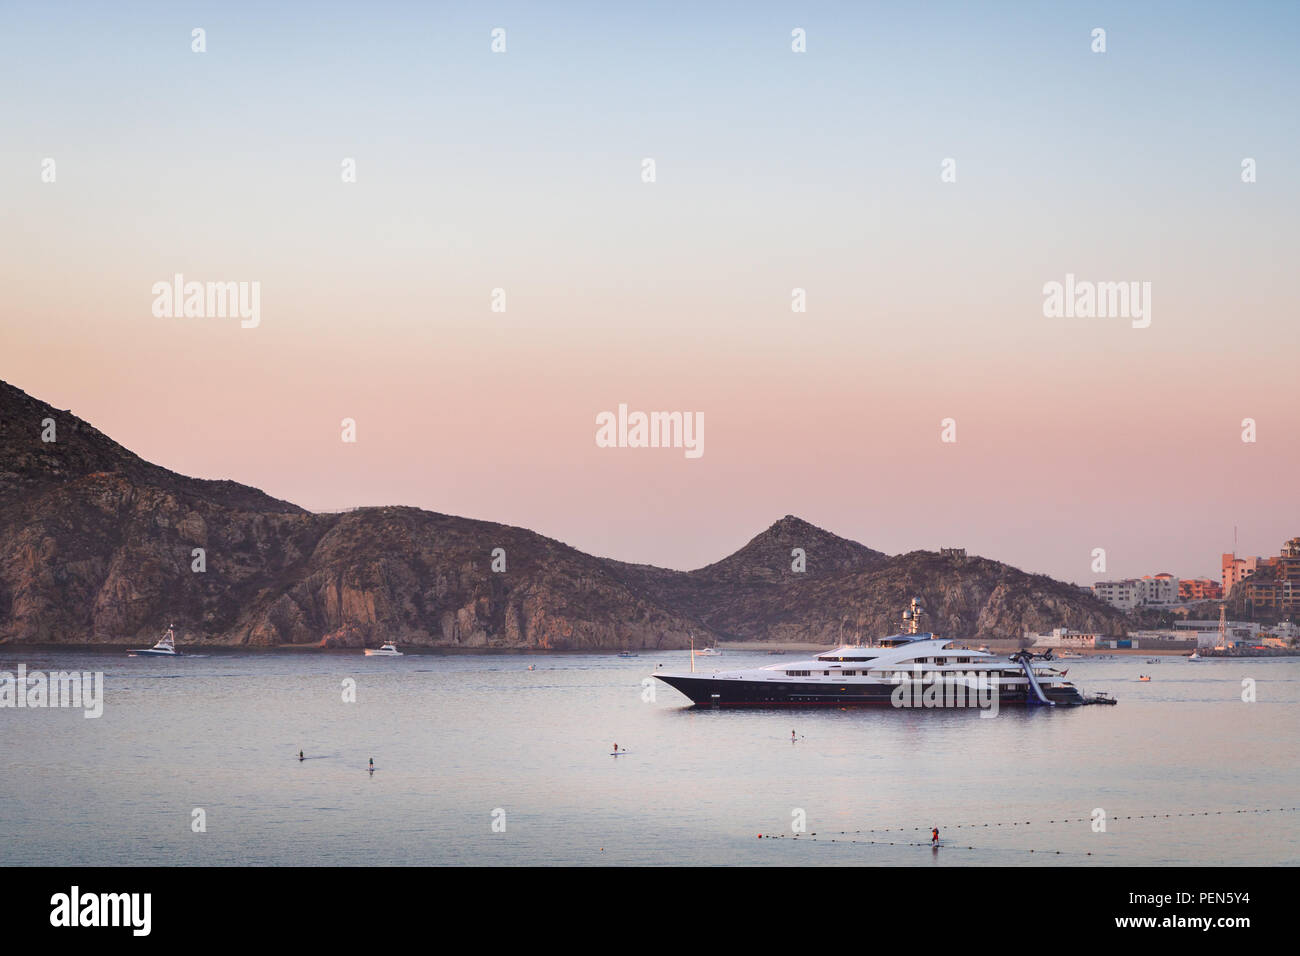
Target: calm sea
(460,741)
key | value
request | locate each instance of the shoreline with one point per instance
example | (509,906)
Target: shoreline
(998,647)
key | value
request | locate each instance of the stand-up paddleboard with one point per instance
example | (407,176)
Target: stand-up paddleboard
(620,753)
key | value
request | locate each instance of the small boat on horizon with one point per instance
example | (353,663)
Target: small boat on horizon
(166,646)
(389,649)
(1195,656)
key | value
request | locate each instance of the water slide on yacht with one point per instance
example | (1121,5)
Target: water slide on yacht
(1026,664)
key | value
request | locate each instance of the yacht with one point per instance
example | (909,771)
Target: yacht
(389,649)
(166,646)
(874,674)
(708,652)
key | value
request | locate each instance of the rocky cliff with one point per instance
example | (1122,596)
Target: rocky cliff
(98,545)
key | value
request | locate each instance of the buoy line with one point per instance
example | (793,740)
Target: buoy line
(813,838)
(1087,819)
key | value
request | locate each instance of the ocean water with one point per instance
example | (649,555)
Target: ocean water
(460,741)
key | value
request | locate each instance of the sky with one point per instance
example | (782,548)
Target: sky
(774,170)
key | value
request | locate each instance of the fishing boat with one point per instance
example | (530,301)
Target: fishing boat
(166,646)
(389,649)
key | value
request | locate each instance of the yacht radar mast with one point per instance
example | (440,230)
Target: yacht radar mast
(912,617)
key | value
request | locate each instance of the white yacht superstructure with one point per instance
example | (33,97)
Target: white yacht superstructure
(903,670)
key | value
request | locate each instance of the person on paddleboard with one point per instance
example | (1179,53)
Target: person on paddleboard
(934,837)
(300,756)
(616,748)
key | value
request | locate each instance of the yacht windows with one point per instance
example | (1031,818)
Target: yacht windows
(798,673)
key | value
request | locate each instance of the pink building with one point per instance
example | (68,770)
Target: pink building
(1236,570)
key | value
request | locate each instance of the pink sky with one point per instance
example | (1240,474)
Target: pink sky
(523,172)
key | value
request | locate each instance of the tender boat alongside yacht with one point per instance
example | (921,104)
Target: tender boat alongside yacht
(873,674)
(166,646)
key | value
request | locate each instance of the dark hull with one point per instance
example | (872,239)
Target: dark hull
(721,692)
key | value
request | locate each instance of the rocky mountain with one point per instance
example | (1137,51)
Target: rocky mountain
(98,545)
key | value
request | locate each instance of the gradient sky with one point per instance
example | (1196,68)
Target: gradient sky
(775,170)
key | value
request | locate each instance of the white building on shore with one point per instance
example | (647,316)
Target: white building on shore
(1064,637)
(1154,590)
(1124,595)
(1240,632)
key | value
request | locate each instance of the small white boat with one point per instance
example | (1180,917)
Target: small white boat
(388,650)
(708,652)
(1195,656)
(166,646)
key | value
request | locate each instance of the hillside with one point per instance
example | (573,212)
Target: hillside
(96,545)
